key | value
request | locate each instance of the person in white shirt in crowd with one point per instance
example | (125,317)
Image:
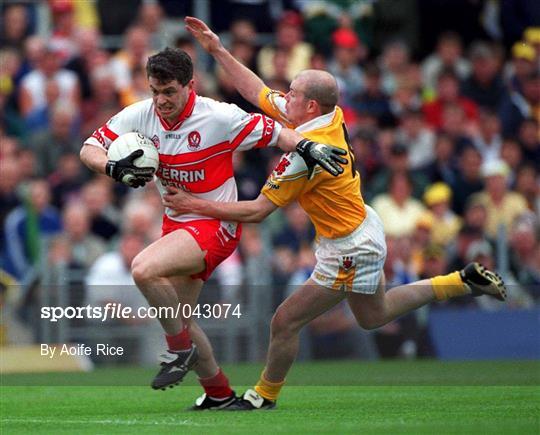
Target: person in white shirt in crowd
(85,247)
(488,139)
(32,93)
(417,137)
(398,210)
(448,54)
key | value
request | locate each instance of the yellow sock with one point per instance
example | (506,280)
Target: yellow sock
(268,390)
(448,286)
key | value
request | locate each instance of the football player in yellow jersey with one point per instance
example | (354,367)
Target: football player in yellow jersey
(351,247)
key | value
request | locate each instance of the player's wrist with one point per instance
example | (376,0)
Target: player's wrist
(197,205)
(111,169)
(304,148)
(220,53)
(216,49)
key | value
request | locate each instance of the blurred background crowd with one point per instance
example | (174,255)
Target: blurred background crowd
(442,102)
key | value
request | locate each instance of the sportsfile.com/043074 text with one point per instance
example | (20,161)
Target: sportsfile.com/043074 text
(117,311)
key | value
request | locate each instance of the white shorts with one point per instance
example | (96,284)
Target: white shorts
(354,262)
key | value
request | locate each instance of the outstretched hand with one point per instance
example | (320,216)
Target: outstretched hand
(328,157)
(178,201)
(202,33)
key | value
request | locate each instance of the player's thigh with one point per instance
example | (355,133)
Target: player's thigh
(366,307)
(177,253)
(304,305)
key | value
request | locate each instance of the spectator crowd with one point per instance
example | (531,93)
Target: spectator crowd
(446,139)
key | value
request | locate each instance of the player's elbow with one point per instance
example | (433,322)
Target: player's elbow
(83,154)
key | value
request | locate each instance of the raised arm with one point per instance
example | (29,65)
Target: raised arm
(248,84)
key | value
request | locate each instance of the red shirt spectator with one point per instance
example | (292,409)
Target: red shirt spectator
(448,92)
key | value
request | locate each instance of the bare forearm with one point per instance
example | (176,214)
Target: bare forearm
(94,158)
(246,82)
(243,211)
(288,139)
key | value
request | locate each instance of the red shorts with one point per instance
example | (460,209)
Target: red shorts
(211,237)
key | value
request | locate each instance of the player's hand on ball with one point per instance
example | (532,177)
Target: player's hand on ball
(327,156)
(126,172)
(202,33)
(179,201)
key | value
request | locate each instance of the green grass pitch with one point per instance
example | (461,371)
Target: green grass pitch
(327,397)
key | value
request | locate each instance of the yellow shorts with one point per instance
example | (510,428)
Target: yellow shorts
(354,262)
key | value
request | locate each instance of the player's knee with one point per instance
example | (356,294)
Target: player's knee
(141,270)
(372,321)
(281,324)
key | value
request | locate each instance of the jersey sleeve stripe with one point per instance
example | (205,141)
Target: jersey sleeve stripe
(280,202)
(111,135)
(245,131)
(268,132)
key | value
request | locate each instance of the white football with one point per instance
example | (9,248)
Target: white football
(126,143)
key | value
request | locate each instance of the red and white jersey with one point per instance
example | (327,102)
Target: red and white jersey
(195,154)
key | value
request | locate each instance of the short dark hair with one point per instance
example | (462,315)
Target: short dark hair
(170,64)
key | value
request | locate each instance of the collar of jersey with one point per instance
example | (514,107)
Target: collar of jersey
(186,113)
(318,122)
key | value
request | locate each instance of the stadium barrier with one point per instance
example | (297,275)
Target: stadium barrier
(467,334)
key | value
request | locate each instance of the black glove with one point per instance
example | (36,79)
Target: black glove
(126,172)
(327,156)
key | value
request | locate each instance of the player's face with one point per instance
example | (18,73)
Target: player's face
(297,102)
(169,98)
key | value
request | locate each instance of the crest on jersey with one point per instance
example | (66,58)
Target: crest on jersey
(281,166)
(194,140)
(155,141)
(347,262)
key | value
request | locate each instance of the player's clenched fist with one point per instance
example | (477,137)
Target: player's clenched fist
(327,156)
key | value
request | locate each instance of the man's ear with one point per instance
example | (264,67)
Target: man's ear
(190,84)
(312,107)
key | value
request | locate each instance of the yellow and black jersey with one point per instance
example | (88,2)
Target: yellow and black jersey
(334,204)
